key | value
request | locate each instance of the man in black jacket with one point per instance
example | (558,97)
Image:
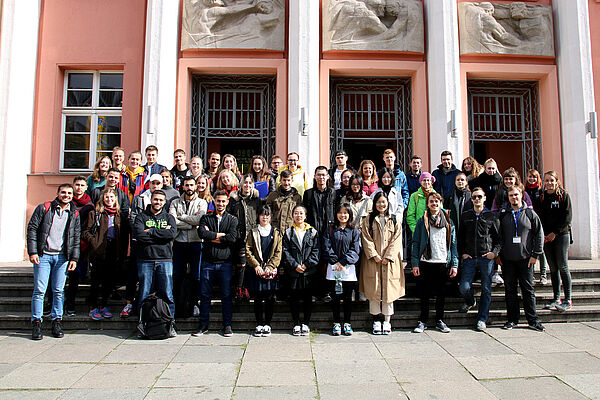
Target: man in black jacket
(478,245)
(444,175)
(154,230)
(113,177)
(521,239)
(53,235)
(341,164)
(219,232)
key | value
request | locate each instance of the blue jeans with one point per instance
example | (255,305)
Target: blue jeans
(55,266)
(486,270)
(221,272)
(157,274)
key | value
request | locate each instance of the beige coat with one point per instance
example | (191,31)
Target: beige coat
(377,281)
(254,256)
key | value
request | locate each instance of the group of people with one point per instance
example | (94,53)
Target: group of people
(275,233)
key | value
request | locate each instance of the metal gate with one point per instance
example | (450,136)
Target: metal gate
(371,109)
(228,107)
(506,111)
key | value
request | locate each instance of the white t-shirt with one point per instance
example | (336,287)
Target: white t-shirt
(337,178)
(437,242)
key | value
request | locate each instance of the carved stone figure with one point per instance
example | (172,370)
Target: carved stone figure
(233,24)
(373,25)
(515,28)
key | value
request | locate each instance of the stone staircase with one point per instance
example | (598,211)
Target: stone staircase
(16,288)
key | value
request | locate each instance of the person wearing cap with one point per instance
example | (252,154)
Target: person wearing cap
(341,164)
(418,200)
(142,201)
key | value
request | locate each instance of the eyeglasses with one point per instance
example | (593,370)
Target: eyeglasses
(292,160)
(477,197)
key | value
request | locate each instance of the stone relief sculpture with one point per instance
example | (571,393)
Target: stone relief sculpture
(515,28)
(373,25)
(233,24)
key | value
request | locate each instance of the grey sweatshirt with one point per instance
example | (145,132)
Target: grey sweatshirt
(528,229)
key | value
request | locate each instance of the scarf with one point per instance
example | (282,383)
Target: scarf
(534,186)
(112,211)
(82,201)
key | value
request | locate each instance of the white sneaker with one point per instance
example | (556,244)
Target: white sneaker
(305,330)
(266,331)
(297,330)
(196,311)
(387,328)
(258,331)
(362,297)
(377,328)
(497,279)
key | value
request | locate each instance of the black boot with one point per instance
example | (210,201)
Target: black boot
(36,331)
(57,330)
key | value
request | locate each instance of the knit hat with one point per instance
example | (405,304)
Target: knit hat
(426,175)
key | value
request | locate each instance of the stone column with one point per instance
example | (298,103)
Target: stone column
(443,73)
(303,82)
(580,151)
(18,66)
(160,78)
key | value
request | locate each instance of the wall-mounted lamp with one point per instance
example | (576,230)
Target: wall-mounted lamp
(303,123)
(452,124)
(592,125)
(150,122)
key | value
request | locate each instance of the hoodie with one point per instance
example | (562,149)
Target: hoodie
(155,244)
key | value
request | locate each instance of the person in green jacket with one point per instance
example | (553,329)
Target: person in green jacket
(418,201)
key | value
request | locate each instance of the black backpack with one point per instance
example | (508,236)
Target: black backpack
(156,320)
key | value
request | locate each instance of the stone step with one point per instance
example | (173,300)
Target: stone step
(320,320)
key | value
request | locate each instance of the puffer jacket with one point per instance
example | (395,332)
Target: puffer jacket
(282,205)
(188,217)
(295,253)
(39,225)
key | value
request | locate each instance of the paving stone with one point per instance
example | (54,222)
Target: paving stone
(411,350)
(542,344)
(361,392)
(501,366)
(353,372)
(428,369)
(304,392)
(462,334)
(214,338)
(44,376)
(122,376)
(586,384)
(147,353)
(570,329)
(23,352)
(209,354)
(463,389)
(346,351)
(30,394)
(189,375)
(282,337)
(586,343)
(593,324)
(532,388)
(401,336)
(103,394)
(177,340)
(357,337)
(200,393)
(5,369)
(278,352)
(567,363)
(75,353)
(97,337)
(466,348)
(295,373)
(518,332)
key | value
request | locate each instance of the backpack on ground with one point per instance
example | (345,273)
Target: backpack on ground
(156,321)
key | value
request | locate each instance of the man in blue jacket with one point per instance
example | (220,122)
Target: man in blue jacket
(444,175)
(389,158)
(53,246)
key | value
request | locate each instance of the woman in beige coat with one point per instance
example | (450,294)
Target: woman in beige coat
(381,273)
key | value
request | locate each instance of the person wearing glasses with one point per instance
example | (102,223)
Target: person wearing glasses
(300,180)
(478,246)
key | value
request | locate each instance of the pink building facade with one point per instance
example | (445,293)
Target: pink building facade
(80,77)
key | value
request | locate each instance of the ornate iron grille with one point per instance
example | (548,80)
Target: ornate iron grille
(506,111)
(233,107)
(371,109)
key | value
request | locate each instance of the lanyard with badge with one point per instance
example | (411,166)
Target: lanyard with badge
(516,239)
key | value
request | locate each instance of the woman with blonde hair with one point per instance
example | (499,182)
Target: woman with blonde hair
(367,172)
(203,190)
(196,167)
(98,177)
(472,169)
(227,181)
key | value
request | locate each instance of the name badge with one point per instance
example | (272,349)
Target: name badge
(517,239)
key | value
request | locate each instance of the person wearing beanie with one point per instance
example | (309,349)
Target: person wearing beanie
(417,203)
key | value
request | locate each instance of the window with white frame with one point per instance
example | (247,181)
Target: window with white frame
(91,117)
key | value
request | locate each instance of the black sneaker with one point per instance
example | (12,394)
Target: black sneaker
(57,330)
(201,331)
(71,313)
(227,331)
(509,325)
(465,307)
(537,326)
(36,330)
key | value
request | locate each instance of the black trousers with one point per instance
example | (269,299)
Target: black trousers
(432,281)
(264,302)
(304,296)
(336,298)
(519,272)
(102,275)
